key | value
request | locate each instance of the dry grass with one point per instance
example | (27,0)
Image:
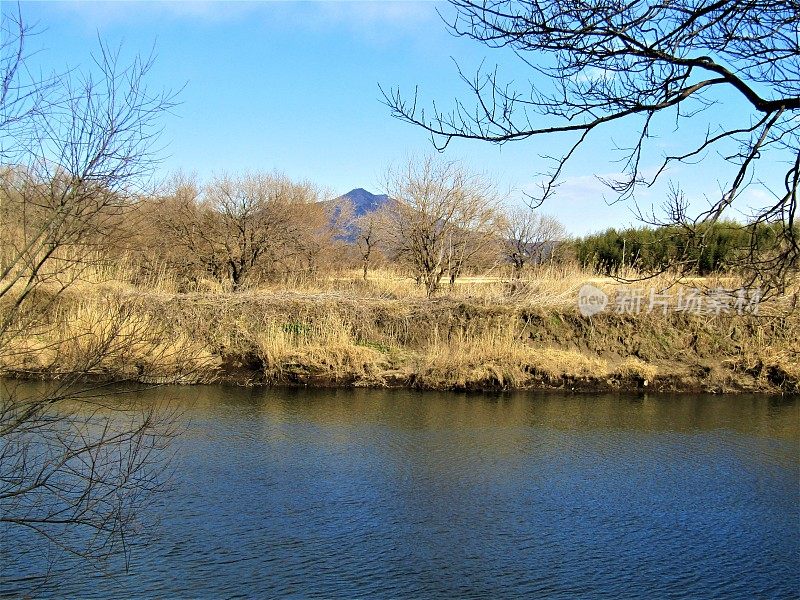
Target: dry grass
(102,335)
(634,368)
(546,285)
(499,358)
(322,347)
(484,332)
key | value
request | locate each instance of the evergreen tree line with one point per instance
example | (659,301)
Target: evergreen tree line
(710,248)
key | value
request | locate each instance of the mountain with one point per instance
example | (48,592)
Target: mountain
(363,201)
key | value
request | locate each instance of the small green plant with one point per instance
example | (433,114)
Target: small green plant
(297,328)
(382,348)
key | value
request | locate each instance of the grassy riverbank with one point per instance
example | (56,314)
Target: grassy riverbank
(482,335)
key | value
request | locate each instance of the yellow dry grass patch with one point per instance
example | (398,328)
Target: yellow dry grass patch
(499,358)
(543,285)
(635,368)
(786,360)
(326,347)
(107,334)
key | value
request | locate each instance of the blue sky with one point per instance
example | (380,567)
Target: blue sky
(293,86)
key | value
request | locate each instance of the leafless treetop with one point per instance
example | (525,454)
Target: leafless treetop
(608,60)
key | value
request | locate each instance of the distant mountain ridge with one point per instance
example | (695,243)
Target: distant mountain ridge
(363,202)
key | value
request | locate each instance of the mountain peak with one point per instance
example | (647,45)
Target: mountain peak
(363,201)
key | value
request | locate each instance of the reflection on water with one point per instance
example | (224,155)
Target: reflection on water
(348,493)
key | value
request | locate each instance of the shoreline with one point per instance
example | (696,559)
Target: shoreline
(668,384)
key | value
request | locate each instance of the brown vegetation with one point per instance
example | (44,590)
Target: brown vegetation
(484,334)
(253,279)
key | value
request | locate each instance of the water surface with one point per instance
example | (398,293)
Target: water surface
(397,494)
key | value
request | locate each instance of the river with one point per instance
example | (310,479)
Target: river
(397,494)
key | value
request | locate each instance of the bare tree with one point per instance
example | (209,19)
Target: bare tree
(614,61)
(236,228)
(173,231)
(440,217)
(530,238)
(474,241)
(314,234)
(369,232)
(76,148)
(244,227)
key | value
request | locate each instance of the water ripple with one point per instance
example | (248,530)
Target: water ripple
(398,495)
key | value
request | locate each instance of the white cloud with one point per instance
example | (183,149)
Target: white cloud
(594,74)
